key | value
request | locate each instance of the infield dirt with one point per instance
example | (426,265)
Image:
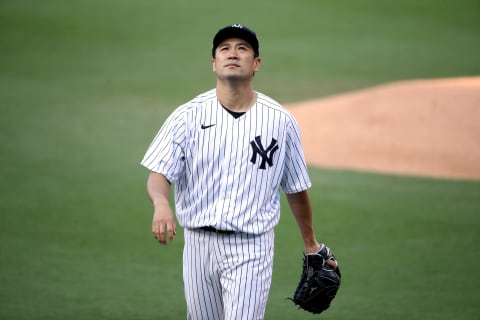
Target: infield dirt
(420,128)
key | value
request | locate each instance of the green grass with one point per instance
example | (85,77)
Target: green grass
(407,245)
(85,85)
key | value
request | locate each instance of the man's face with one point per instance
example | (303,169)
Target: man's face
(235,60)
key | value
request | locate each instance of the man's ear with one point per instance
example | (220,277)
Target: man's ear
(214,69)
(257,62)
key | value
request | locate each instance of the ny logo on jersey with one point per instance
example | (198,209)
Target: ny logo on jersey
(266,154)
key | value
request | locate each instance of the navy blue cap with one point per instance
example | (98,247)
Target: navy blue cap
(236,31)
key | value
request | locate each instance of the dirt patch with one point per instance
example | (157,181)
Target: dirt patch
(423,128)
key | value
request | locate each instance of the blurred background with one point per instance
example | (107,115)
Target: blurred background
(84,87)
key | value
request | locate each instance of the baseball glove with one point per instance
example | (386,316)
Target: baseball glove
(319,282)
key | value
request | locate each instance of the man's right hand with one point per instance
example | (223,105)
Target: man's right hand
(163,225)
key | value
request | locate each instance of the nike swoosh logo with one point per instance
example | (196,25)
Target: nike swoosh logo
(207,126)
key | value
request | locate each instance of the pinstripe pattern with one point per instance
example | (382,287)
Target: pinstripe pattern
(228,173)
(216,183)
(237,265)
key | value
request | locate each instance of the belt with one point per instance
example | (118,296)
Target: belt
(212,229)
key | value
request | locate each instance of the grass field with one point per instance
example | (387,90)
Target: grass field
(85,85)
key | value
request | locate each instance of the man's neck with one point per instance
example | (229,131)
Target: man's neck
(237,97)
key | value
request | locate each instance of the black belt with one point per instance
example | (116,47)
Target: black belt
(212,229)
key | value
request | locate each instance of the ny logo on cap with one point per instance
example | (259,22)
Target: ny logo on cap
(237,26)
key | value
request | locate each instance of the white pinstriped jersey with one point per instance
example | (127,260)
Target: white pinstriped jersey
(228,171)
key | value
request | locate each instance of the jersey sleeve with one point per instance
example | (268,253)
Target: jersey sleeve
(295,175)
(165,155)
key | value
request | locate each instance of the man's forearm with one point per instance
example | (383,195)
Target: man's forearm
(302,211)
(158,189)
(163,223)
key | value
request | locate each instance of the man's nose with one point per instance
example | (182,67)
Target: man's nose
(233,54)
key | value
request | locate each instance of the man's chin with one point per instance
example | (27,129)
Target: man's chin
(235,78)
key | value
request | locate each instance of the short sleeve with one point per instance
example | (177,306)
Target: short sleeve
(165,154)
(295,175)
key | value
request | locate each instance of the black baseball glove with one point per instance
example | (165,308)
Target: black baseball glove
(319,282)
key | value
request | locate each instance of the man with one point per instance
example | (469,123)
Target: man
(228,152)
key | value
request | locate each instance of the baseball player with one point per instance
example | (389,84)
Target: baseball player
(228,152)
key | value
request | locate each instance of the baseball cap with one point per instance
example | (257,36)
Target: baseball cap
(236,31)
